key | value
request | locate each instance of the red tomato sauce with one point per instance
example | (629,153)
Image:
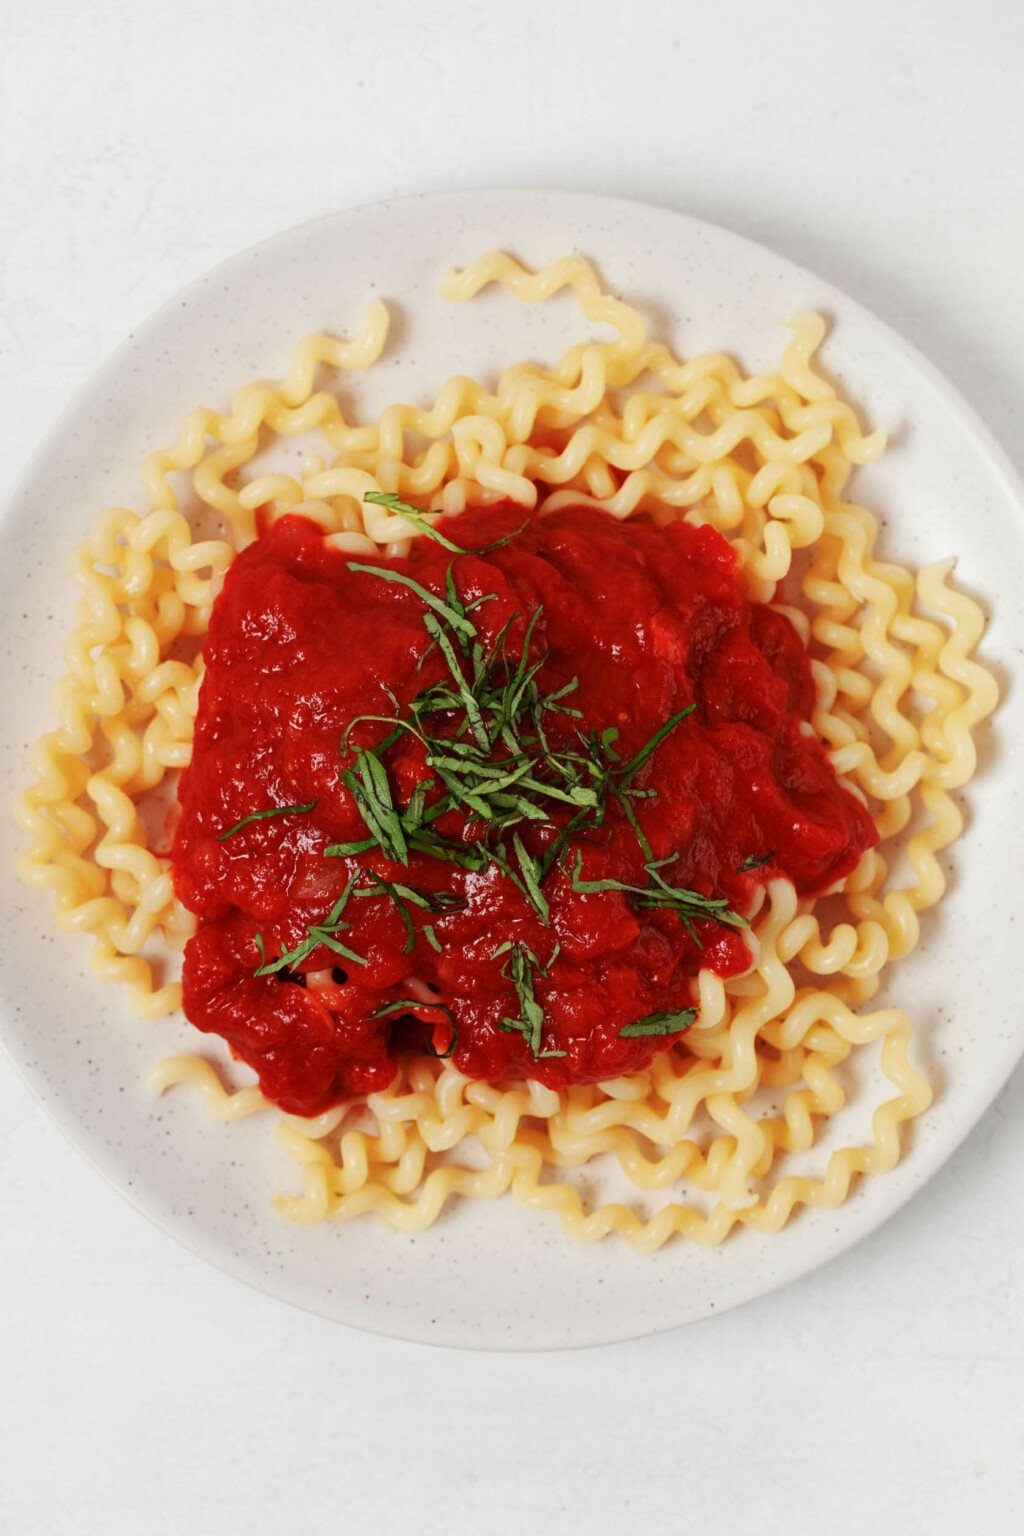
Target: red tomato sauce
(648,620)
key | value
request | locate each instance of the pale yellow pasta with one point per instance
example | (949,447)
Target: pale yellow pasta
(710,1136)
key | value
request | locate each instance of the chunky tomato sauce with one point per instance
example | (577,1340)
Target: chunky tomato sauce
(648,620)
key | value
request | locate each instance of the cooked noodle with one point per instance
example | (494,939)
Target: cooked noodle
(625,426)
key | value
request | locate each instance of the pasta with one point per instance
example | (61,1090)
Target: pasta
(623,425)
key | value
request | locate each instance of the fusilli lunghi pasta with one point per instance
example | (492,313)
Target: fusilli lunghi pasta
(706,1138)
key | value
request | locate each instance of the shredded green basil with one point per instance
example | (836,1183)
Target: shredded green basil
(659,1024)
(407,1005)
(272,810)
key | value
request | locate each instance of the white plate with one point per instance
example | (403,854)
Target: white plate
(491,1275)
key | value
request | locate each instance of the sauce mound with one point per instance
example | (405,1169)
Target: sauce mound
(324,950)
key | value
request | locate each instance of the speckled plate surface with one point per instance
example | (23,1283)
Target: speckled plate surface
(492,1275)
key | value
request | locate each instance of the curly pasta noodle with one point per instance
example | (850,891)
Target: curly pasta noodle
(624,425)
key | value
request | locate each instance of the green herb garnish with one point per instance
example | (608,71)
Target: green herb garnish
(349,850)
(402,897)
(406,1005)
(659,1024)
(483,726)
(647,751)
(455,616)
(324,933)
(520,968)
(755,863)
(532,872)
(499,769)
(371,791)
(689,904)
(272,810)
(394,503)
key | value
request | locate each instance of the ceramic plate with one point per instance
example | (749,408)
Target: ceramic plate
(492,1275)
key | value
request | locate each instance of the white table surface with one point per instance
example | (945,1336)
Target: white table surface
(880,144)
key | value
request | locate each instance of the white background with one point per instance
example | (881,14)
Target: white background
(881,145)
